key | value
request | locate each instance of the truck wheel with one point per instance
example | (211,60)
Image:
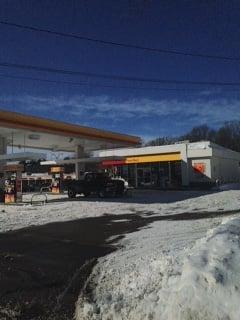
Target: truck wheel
(71,194)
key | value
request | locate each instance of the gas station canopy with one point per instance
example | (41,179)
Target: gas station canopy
(24,131)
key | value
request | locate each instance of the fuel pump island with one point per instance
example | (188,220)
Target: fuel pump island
(12,177)
(57,179)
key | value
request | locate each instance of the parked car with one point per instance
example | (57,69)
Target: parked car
(96,183)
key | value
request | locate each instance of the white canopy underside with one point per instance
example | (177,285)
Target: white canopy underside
(37,140)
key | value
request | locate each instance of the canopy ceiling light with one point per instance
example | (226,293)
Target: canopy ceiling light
(34,136)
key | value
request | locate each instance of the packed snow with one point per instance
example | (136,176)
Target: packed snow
(154,202)
(135,282)
(170,269)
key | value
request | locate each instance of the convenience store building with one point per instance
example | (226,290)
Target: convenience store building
(172,166)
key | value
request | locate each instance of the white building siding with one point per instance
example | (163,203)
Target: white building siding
(126,152)
(225,169)
(199,150)
(225,164)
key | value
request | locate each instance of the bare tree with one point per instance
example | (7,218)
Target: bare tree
(228,136)
(199,133)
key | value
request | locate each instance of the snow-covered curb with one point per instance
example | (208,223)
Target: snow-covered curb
(201,283)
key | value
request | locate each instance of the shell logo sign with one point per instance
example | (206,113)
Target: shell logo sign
(199,167)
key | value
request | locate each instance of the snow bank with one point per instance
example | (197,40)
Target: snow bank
(172,280)
(209,287)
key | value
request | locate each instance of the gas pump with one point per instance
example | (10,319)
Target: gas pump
(57,179)
(13,183)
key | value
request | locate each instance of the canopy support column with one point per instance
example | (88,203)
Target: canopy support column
(184,167)
(3,145)
(3,151)
(79,167)
(169,173)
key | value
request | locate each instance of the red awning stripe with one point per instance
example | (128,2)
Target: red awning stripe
(108,163)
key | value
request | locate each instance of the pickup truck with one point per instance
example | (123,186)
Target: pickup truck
(96,183)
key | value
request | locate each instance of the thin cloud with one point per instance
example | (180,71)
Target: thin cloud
(115,112)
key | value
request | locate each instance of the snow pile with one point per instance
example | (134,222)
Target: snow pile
(171,280)
(209,287)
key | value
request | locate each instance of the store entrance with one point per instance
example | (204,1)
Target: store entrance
(157,175)
(144,176)
(160,175)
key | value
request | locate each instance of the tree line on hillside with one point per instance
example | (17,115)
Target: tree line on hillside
(227,136)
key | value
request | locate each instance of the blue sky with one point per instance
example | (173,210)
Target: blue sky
(208,27)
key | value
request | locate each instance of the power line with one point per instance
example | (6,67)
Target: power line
(114,77)
(92,84)
(169,90)
(121,44)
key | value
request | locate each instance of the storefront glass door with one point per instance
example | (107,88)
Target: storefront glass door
(144,176)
